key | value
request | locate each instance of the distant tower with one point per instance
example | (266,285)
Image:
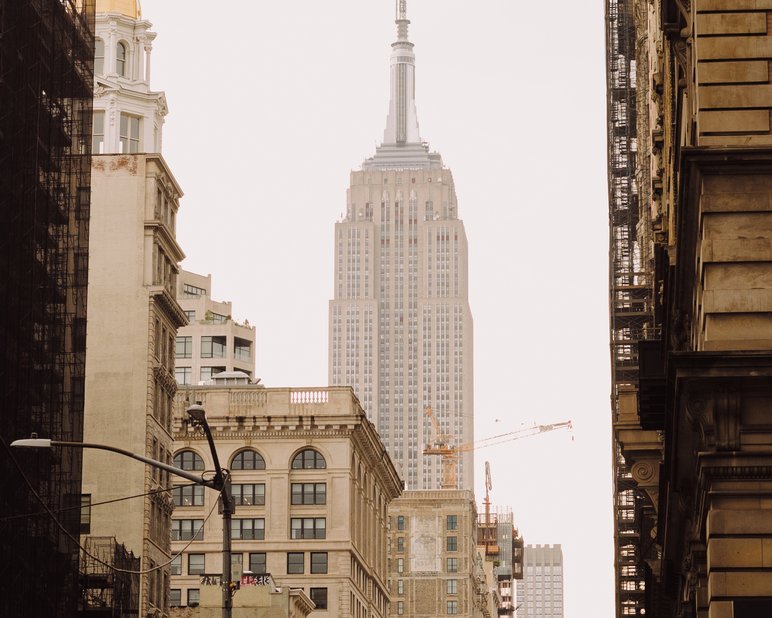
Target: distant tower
(540,592)
(400,323)
(133,319)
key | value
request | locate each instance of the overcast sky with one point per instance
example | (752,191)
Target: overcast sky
(272,104)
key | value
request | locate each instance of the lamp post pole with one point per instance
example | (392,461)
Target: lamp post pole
(222,479)
(221,483)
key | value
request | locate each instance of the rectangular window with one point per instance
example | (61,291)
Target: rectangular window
(185,529)
(452,522)
(295,562)
(190,314)
(188,495)
(451,543)
(175,597)
(98,133)
(257,563)
(237,566)
(318,562)
(400,608)
(452,607)
(196,564)
(400,522)
(208,372)
(248,529)
(249,494)
(400,565)
(85,513)
(192,291)
(176,565)
(309,493)
(400,586)
(184,375)
(400,543)
(213,347)
(452,586)
(216,318)
(319,596)
(183,347)
(194,597)
(129,134)
(452,565)
(309,528)
(242,349)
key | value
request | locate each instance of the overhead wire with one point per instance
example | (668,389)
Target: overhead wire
(67,533)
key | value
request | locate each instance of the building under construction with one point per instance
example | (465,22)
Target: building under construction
(46,82)
(109,579)
(500,543)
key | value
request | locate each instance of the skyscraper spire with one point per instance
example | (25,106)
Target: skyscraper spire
(402,121)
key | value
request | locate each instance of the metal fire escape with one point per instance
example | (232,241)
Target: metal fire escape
(630,291)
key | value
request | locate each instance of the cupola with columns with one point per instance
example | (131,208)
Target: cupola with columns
(128,115)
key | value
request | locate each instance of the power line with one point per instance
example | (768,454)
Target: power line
(61,527)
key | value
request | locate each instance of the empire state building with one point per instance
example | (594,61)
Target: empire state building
(400,324)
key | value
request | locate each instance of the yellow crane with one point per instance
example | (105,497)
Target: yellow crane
(441,445)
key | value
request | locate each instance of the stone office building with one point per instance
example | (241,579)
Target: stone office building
(312,484)
(690,144)
(133,317)
(434,568)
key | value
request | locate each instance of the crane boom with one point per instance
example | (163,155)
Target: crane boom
(449,454)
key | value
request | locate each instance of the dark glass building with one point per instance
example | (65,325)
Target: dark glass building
(46,84)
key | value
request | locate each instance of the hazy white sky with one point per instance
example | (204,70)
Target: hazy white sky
(273,103)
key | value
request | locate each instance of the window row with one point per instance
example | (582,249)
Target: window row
(252,494)
(193,597)
(251,528)
(121,57)
(129,133)
(451,565)
(213,346)
(248,459)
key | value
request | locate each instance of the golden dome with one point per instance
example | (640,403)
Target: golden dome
(130,8)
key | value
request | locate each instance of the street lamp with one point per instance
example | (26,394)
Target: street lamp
(221,483)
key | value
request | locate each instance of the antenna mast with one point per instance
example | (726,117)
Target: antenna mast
(401,9)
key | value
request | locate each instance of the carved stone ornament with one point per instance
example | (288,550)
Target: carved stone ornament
(715,413)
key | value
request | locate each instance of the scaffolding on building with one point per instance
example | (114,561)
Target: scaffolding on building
(105,591)
(46,86)
(630,287)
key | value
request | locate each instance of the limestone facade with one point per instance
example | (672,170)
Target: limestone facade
(312,483)
(696,432)
(434,568)
(133,319)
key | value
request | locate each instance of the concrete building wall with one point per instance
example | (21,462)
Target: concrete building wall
(198,356)
(357,483)
(129,365)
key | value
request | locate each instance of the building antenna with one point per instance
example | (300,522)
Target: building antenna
(401,9)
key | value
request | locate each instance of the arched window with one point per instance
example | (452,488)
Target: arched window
(120,58)
(99,56)
(248,460)
(308,459)
(188,460)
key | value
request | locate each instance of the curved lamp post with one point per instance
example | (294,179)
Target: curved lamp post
(220,483)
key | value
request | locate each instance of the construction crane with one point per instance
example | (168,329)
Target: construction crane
(441,445)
